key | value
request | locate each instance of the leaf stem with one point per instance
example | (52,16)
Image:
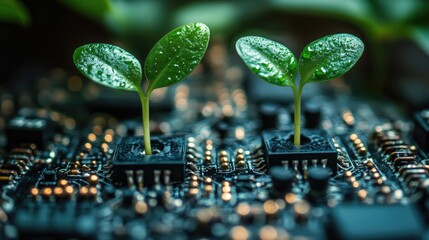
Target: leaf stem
(297,115)
(146,122)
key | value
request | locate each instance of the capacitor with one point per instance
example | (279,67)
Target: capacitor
(222,129)
(312,114)
(318,179)
(282,179)
(268,112)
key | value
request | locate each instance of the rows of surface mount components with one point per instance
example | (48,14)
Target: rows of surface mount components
(227,191)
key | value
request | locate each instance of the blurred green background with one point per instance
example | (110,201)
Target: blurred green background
(40,35)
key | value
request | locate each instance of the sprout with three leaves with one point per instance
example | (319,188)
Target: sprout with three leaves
(172,59)
(324,59)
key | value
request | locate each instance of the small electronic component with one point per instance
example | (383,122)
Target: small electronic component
(316,150)
(354,222)
(166,165)
(318,180)
(47,222)
(421,130)
(24,129)
(312,114)
(282,179)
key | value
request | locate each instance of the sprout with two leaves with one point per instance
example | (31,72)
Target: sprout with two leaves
(324,59)
(172,59)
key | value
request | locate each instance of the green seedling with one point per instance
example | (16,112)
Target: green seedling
(324,59)
(171,59)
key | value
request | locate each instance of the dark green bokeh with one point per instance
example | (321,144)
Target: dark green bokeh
(13,11)
(387,28)
(380,21)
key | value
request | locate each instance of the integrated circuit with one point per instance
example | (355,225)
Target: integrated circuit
(131,166)
(421,130)
(28,129)
(316,150)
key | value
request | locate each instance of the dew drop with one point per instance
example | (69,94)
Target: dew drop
(257,69)
(306,54)
(320,72)
(292,64)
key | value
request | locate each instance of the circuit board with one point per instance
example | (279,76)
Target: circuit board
(224,167)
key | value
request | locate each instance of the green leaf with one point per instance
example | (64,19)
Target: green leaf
(109,65)
(268,59)
(329,57)
(176,55)
(13,11)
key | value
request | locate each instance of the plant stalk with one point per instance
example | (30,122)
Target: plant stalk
(297,116)
(146,122)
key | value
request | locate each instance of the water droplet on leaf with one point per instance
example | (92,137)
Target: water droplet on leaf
(306,54)
(320,72)
(292,64)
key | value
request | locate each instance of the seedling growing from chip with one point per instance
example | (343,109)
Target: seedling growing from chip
(324,59)
(171,59)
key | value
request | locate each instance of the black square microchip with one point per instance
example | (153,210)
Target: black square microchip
(168,155)
(24,129)
(366,222)
(315,148)
(421,129)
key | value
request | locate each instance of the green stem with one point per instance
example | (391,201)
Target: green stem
(146,122)
(297,116)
